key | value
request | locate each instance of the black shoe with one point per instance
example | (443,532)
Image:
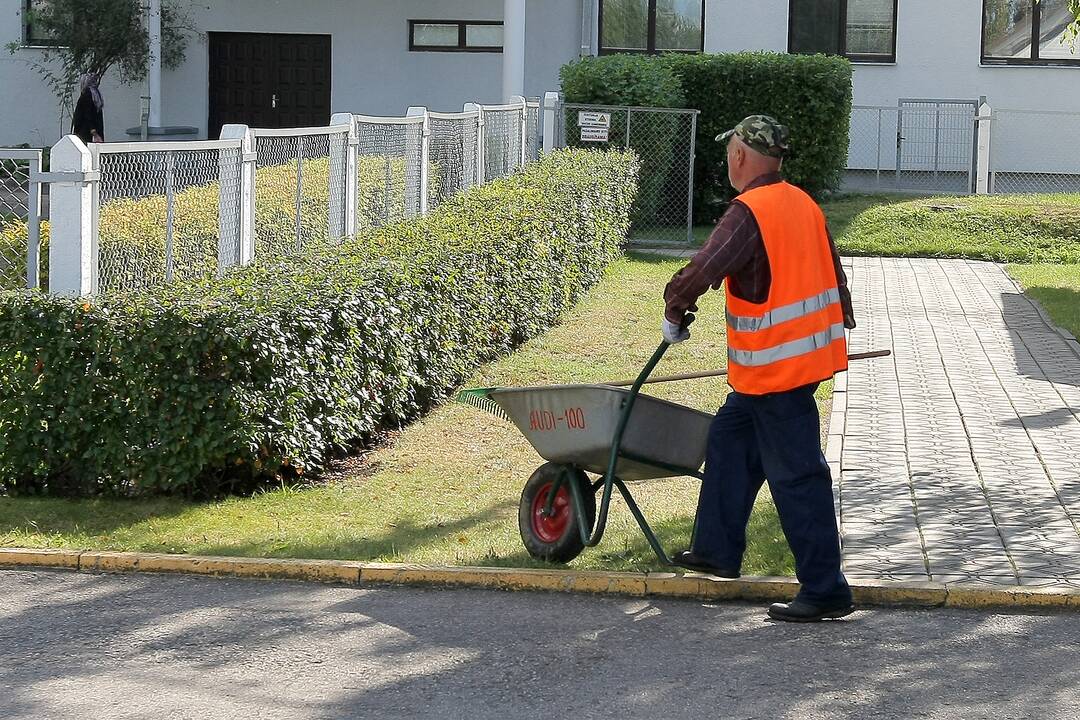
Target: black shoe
(687,559)
(802,611)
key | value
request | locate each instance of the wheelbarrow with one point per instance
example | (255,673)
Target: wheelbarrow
(608,430)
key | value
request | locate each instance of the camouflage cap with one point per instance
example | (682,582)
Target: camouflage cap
(762,133)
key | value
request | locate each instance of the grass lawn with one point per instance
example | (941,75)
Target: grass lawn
(447,490)
(840,212)
(1057,288)
(1001,228)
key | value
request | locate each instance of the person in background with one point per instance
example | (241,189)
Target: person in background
(88,122)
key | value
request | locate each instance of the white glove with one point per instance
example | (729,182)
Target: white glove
(674,333)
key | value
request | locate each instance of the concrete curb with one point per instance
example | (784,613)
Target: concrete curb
(669,585)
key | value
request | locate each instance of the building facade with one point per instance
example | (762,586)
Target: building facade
(280,63)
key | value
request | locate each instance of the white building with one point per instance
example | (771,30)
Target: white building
(281,63)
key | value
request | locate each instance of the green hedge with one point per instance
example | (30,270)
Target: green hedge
(634,80)
(809,93)
(202,387)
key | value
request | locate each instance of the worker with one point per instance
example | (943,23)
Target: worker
(787,307)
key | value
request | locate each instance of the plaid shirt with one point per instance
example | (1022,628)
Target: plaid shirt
(736,251)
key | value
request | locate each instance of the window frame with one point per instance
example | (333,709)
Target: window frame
(863,58)
(28,41)
(462,46)
(1034,60)
(650,37)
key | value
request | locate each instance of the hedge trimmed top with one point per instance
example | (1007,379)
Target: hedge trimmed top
(811,94)
(210,386)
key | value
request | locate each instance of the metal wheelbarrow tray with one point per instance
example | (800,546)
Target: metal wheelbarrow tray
(607,430)
(574,425)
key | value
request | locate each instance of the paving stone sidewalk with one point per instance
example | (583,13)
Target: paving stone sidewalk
(960,455)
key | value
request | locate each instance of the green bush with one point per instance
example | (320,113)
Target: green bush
(205,386)
(635,80)
(1002,228)
(809,93)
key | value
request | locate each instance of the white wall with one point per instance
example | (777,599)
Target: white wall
(937,55)
(373,70)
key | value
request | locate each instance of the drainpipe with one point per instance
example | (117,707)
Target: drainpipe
(590,19)
(154,69)
(513,48)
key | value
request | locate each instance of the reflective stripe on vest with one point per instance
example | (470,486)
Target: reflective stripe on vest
(785,351)
(743,323)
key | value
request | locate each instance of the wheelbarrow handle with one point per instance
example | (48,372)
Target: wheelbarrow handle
(721,373)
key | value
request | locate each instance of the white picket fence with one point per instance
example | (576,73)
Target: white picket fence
(127,216)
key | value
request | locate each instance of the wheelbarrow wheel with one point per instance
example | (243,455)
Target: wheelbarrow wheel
(555,537)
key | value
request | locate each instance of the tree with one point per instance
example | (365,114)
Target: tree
(100,35)
(1072,32)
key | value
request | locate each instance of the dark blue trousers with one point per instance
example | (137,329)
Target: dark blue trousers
(774,437)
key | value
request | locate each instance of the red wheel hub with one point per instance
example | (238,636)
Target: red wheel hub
(550,528)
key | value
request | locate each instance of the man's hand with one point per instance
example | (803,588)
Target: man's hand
(676,332)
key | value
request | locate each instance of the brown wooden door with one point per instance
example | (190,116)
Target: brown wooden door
(269,80)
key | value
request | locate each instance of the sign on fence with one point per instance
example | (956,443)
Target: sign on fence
(595,126)
(664,140)
(594,119)
(594,134)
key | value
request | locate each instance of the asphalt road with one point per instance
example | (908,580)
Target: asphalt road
(142,646)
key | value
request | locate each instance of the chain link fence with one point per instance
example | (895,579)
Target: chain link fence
(164,212)
(160,211)
(454,154)
(920,146)
(298,172)
(20,212)
(504,135)
(533,131)
(389,158)
(664,140)
(1034,151)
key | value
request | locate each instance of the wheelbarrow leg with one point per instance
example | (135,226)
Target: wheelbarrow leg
(592,536)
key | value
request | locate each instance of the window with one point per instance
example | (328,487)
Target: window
(1025,32)
(862,30)
(652,26)
(32,36)
(455,35)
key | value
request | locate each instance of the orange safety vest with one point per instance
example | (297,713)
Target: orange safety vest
(796,337)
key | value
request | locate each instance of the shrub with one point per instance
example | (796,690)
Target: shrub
(197,386)
(635,80)
(809,93)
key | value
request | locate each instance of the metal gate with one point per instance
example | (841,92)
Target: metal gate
(664,140)
(935,145)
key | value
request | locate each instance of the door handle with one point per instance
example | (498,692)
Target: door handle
(273,101)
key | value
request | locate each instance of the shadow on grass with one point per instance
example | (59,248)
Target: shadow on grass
(406,536)
(96,516)
(653,257)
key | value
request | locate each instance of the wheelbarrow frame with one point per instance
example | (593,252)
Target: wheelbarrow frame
(591,537)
